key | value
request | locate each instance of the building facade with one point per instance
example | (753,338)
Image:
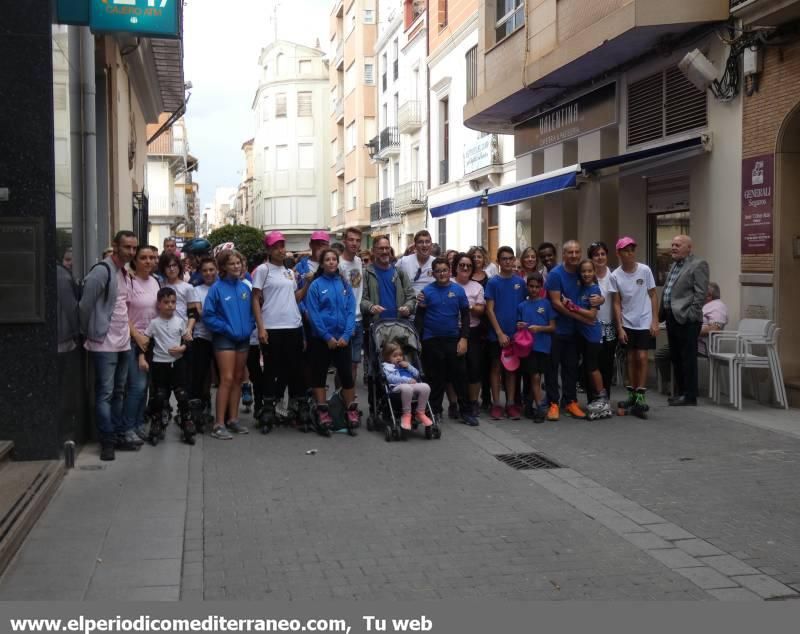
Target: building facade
(351,104)
(290,148)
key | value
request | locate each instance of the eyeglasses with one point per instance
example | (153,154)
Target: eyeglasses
(464,265)
(173,265)
(442,271)
(507,258)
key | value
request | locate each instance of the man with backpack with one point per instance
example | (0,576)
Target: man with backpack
(103,315)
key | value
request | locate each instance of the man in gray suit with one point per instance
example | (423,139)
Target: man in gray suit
(682,308)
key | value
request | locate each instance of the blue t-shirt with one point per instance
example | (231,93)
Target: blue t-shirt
(443,305)
(594,333)
(538,312)
(387,292)
(507,293)
(559,279)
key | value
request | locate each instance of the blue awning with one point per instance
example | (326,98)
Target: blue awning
(460,204)
(549,183)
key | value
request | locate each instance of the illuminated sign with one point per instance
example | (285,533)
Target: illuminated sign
(154,18)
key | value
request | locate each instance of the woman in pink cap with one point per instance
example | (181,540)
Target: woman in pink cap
(280,329)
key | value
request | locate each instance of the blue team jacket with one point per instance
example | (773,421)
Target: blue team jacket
(228,311)
(331,308)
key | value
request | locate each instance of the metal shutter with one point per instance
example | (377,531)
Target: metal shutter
(645,109)
(686,106)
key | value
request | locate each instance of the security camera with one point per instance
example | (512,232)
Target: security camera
(698,69)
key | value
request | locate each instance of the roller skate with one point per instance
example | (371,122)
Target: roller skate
(623,407)
(599,408)
(158,426)
(247,397)
(189,427)
(323,420)
(266,418)
(640,407)
(353,417)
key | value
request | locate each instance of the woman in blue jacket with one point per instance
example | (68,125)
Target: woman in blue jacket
(228,314)
(330,304)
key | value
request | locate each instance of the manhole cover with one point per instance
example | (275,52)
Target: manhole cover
(91,467)
(525,461)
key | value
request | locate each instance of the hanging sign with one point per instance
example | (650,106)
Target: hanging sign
(153,18)
(757,201)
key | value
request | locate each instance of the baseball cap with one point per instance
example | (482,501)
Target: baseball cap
(625,242)
(522,342)
(321,236)
(272,237)
(509,359)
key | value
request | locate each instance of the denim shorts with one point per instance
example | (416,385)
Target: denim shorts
(357,342)
(221,342)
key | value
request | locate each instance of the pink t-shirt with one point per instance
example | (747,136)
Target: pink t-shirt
(474,292)
(142,302)
(118,338)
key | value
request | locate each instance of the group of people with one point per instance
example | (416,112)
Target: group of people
(517,326)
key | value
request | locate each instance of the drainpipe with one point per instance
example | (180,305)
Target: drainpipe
(428,107)
(75,151)
(88,93)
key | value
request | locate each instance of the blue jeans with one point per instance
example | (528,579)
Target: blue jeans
(136,393)
(110,376)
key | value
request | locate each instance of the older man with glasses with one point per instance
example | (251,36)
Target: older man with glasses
(418,266)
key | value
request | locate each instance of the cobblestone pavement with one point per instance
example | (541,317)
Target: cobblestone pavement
(686,506)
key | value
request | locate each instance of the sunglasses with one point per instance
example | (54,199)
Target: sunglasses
(464,265)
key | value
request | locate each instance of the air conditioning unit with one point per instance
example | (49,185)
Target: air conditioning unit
(698,69)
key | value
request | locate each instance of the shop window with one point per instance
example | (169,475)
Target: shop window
(661,228)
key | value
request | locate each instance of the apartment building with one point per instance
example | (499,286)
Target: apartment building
(351,104)
(290,148)
(463,161)
(244,207)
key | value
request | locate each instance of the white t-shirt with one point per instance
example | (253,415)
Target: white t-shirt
(420,276)
(166,333)
(637,310)
(353,272)
(277,285)
(184,293)
(199,294)
(606,311)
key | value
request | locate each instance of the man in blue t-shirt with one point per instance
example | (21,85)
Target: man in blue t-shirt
(563,288)
(504,293)
(388,293)
(443,322)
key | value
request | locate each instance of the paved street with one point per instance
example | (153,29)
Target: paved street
(690,505)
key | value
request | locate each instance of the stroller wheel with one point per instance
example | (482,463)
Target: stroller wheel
(437,433)
(428,433)
(370,426)
(396,433)
(388,434)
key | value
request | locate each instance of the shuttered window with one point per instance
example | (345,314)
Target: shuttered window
(304,104)
(280,104)
(662,105)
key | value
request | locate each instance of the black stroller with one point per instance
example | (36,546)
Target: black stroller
(384,406)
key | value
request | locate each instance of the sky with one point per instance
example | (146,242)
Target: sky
(222,42)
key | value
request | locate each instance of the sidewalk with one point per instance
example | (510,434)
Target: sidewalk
(690,505)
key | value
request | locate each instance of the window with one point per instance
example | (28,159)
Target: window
(280,104)
(369,73)
(334,152)
(350,20)
(369,16)
(349,79)
(281,157)
(305,156)
(510,15)
(444,141)
(472,72)
(279,64)
(305,66)
(661,228)
(304,104)
(334,202)
(442,13)
(384,70)
(351,137)
(351,194)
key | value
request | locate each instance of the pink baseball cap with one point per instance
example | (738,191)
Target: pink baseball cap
(522,342)
(509,359)
(625,241)
(321,236)
(272,237)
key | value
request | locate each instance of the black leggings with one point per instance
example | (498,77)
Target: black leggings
(168,378)
(202,358)
(256,374)
(321,357)
(442,366)
(283,359)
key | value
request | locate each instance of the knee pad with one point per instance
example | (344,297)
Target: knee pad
(181,395)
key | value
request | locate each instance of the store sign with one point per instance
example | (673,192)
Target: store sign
(757,201)
(481,153)
(587,113)
(153,18)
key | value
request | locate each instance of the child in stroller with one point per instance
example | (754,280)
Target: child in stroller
(403,379)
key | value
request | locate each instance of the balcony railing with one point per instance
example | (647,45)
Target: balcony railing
(338,109)
(375,212)
(383,212)
(389,141)
(409,116)
(387,209)
(410,196)
(395,69)
(444,171)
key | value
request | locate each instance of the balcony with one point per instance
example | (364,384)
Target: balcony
(578,43)
(765,13)
(409,117)
(383,213)
(339,164)
(444,171)
(338,60)
(338,109)
(389,142)
(410,196)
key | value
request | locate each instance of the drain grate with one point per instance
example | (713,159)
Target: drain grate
(91,467)
(526,461)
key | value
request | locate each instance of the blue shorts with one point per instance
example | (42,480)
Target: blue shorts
(221,342)
(357,342)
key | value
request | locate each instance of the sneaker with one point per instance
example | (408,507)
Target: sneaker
(574,410)
(513,412)
(405,421)
(496,413)
(124,443)
(423,419)
(140,431)
(220,433)
(468,419)
(107,452)
(452,411)
(235,427)
(133,438)
(553,413)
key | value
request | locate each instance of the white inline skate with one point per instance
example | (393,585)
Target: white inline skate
(599,408)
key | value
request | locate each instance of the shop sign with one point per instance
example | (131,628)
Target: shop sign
(481,153)
(757,201)
(155,18)
(587,113)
